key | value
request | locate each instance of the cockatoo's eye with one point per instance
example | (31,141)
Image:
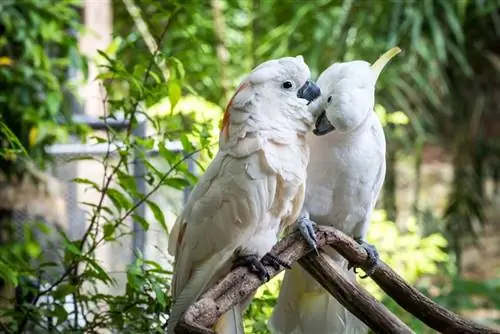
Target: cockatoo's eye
(287,84)
(329,100)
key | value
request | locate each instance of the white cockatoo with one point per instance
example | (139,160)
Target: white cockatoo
(253,188)
(344,177)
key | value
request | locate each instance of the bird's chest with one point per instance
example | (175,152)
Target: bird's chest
(339,183)
(289,162)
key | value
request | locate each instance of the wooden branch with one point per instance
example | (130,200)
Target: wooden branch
(239,283)
(354,297)
(233,288)
(422,307)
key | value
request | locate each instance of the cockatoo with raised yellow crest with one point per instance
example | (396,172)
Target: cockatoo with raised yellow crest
(252,189)
(344,177)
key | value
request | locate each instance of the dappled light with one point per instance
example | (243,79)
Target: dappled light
(119,119)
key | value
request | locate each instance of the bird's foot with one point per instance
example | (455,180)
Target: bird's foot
(306,228)
(258,267)
(275,262)
(254,265)
(372,258)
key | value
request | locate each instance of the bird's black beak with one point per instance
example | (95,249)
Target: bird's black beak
(309,91)
(323,126)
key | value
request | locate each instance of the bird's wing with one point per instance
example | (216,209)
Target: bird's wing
(379,142)
(220,216)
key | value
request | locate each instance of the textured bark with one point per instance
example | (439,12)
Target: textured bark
(356,299)
(239,283)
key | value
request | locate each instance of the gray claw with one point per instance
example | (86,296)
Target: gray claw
(306,228)
(253,264)
(372,258)
(273,261)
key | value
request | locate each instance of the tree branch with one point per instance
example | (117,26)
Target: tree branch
(239,283)
(354,297)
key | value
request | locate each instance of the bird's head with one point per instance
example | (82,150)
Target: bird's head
(276,92)
(348,94)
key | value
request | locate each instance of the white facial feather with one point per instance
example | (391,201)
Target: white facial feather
(353,86)
(264,105)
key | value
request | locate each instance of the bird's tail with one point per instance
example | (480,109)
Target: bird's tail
(305,307)
(230,322)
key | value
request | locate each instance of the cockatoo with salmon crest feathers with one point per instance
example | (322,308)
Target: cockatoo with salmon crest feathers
(253,188)
(344,177)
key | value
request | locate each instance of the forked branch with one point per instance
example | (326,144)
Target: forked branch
(239,283)
(354,297)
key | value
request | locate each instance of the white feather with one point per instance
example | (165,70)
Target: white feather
(344,178)
(254,184)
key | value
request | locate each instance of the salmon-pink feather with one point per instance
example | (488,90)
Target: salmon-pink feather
(224,124)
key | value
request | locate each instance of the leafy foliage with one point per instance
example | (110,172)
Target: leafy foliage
(72,298)
(445,81)
(36,51)
(436,92)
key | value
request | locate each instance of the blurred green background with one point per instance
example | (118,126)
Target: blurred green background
(437,223)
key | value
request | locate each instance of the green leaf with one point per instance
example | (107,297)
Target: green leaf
(103,54)
(416,29)
(12,139)
(160,295)
(98,139)
(99,271)
(82,158)
(95,207)
(33,249)
(439,39)
(176,183)
(86,181)
(453,21)
(158,214)
(105,75)
(168,155)
(119,200)
(143,222)
(60,313)
(72,248)
(460,58)
(53,101)
(127,182)
(186,143)
(174,92)
(63,290)
(178,68)
(146,143)
(108,230)
(8,274)
(43,228)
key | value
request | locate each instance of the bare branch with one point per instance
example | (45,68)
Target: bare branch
(354,297)
(239,283)
(422,307)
